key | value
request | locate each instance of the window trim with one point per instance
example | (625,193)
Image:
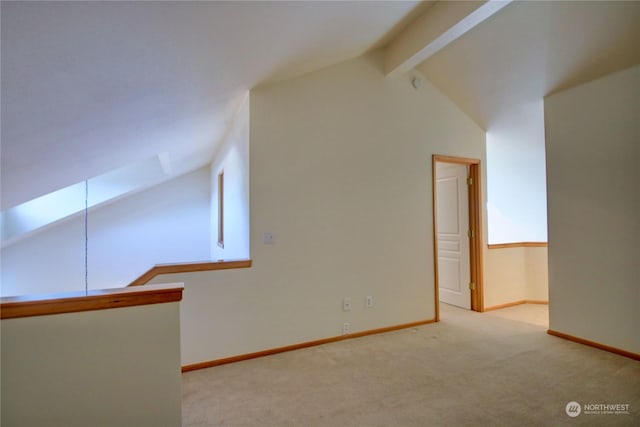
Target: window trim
(221,209)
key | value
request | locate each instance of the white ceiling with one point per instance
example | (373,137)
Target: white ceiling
(89,87)
(531,49)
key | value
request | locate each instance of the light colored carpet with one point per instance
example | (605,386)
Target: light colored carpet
(470,369)
(534,314)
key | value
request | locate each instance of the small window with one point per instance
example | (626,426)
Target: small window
(221,209)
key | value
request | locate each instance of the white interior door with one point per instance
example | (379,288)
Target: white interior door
(454,270)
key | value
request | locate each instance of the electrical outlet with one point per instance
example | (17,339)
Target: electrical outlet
(346,304)
(368,301)
(346,328)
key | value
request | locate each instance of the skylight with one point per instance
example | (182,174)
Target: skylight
(36,214)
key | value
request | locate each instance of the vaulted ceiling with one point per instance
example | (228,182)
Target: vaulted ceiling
(531,49)
(91,87)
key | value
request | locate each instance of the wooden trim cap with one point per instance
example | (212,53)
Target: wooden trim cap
(518,245)
(72,302)
(189,267)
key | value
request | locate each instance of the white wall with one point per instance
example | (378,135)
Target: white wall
(233,160)
(537,274)
(517,206)
(515,274)
(167,223)
(593,152)
(505,279)
(341,175)
(517,197)
(117,367)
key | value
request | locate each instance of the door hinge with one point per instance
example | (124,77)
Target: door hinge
(470,233)
(472,286)
(469,181)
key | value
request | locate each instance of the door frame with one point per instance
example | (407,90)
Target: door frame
(475,224)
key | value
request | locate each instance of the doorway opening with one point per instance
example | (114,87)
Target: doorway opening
(457,230)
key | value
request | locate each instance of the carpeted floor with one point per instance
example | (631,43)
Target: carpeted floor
(533,314)
(470,369)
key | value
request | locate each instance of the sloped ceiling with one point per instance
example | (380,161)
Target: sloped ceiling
(531,49)
(89,87)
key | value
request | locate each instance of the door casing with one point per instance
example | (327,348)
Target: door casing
(475,224)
